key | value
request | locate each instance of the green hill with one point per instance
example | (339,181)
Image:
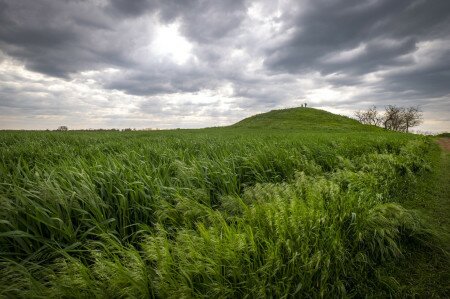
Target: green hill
(301,119)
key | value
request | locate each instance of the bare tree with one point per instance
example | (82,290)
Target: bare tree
(360,116)
(412,116)
(369,117)
(394,118)
(373,117)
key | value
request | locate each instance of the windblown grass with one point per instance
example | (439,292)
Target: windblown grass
(208,213)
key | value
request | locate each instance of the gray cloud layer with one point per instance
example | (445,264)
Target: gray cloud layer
(246,56)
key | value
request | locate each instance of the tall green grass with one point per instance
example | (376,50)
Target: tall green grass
(207,213)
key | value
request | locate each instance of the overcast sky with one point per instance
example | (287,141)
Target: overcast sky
(190,64)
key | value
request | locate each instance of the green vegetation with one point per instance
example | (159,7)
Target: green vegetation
(423,272)
(320,208)
(305,119)
(446,134)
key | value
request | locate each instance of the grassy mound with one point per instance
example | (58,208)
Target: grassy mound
(306,119)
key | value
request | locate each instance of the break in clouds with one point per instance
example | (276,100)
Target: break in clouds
(167,63)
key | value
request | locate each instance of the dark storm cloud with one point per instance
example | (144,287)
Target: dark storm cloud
(270,53)
(205,21)
(130,8)
(429,80)
(202,21)
(63,38)
(59,38)
(354,38)
(323,28)
(374,55)
(161,81)
(30,102)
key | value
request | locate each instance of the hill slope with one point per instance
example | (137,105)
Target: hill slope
(301,119)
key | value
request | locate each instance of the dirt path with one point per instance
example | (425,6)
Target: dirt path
(444,143)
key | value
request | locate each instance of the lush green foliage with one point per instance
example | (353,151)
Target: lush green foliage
(446,134)
(304,119)
(424,272)
(225,212)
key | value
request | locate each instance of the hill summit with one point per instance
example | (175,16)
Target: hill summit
(301,119)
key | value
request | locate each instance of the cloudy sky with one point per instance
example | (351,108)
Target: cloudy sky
(190,64)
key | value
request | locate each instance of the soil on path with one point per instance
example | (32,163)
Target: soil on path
(444,143)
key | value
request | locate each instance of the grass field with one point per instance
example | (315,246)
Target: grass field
(292,203)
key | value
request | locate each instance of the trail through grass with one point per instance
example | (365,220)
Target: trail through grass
(426,272)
